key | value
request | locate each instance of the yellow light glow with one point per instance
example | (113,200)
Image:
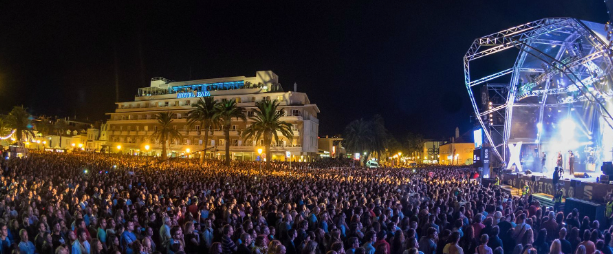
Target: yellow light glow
(147,147)
(118,147)
(38,141)
(187,150)
(27,143)
(73,144)
(80,145)
(44,142)
(399,153)
(259,150)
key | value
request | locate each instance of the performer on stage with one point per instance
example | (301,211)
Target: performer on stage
(559,160)
(571,162)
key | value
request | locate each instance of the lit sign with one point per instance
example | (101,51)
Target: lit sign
(515,151)
(195,94)
(478,138)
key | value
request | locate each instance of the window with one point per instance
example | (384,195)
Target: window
(186,141)
(165,104)
(187,103)
(294,127)
(296,112)
(198,127)
(146,128)
(250,113)
(200,142)
(137,128)
(155,128)
(280,98)
(233,127)
(178,115)
(235,142)
(222,142)
(176,103)
(212,142)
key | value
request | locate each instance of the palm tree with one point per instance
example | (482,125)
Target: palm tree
(4,126)
(358,137)
(202,112)
(224,112)
(21,121)
(60,127)
(380,136)
(267,123)
(165,130)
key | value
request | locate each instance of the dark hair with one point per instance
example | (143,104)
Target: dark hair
(484,239)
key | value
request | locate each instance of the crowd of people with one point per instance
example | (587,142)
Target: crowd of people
(92,203)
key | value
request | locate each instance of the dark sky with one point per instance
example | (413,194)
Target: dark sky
(400,59)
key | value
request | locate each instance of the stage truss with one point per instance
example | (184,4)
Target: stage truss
(560,63)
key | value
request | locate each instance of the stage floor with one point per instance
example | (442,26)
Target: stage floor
(568,177)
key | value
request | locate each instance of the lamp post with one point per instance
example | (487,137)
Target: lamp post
(147,149)
(118,148)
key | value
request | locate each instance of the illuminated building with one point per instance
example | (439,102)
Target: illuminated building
(331,147)
(133,123)
(457,151)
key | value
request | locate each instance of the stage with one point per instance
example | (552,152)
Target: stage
(580,188)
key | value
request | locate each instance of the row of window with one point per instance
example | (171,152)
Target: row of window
(195,141)
(185,128)
(250,113)
(179,103)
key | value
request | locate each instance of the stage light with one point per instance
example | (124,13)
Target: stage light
(567,128)
(539,126)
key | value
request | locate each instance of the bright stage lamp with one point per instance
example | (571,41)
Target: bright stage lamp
(539,126)
(187,150)
(567,128)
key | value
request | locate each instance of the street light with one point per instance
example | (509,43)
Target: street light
(118,148)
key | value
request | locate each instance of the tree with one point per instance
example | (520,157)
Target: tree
(368,137)
(165,131)
(202,112)
(380,136)
(357,137)
(224,112)
(4,126)
(415,144)
(21,121)
(60,127)
(267,124)
(43,126)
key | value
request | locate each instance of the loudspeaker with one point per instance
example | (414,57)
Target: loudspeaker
(607,168)
(586,208)
(604,179)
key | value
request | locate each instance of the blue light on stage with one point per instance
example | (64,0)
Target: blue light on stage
(478,136)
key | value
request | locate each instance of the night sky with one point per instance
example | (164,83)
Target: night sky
(354,59)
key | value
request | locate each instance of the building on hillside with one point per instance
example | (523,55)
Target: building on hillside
(458,150)
(131,126)
(431,152)
(331,147)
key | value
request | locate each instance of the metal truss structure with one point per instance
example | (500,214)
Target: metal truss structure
(560,62)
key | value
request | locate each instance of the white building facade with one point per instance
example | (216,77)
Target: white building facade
(131,126)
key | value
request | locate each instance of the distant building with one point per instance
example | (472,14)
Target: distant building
(131,126)
(458,150)
(430,154)
(331,147)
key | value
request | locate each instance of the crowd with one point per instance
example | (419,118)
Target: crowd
(91,203)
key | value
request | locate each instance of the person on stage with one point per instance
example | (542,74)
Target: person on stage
(559,160)
(571,162)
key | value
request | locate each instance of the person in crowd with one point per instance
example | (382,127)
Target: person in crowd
(25,246)
(483,248)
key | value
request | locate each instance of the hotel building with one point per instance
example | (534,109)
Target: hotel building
(131,126)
